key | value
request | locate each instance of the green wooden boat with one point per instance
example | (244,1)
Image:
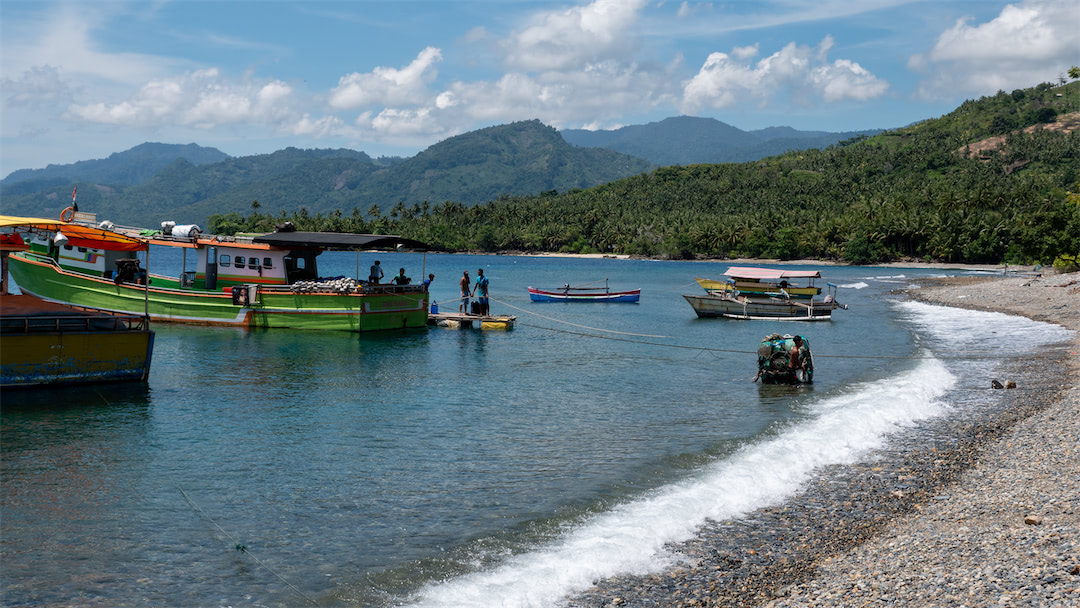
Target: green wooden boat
(267,280)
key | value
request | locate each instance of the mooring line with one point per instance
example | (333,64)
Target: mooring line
(243,548)
(610,331)
(967,353)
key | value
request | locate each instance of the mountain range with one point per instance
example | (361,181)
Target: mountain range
(153,182)
(687,140)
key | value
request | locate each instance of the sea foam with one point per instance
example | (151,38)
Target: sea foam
(632,537)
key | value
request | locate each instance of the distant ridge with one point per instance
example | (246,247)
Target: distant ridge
(127,168)
(522,158)
(688,140)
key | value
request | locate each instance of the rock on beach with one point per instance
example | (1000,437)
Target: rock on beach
(979,512)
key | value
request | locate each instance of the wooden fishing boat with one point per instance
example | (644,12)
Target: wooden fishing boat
(262,280)
(50,344)
(764,282)
(583,293)
(760,309)
(733,304)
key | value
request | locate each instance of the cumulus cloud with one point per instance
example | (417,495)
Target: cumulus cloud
(726,79)
(1026,43)
(200,99)
(560,40)
(387,86)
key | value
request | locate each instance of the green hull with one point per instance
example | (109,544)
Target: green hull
(271,308)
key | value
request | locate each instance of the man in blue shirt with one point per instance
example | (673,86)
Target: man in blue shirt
(482,287)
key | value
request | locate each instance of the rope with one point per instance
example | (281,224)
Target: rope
(243,548)
(611,331)
(709,349)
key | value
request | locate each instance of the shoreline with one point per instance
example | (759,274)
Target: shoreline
(996,269)
(975,510)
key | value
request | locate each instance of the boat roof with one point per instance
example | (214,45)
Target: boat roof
(79,235)
(337,240)
(749,272)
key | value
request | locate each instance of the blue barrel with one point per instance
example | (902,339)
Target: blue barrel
(434,308)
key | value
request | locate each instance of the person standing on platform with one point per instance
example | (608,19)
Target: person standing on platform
(375,274)
(466,283)
(428,280)
(482,287)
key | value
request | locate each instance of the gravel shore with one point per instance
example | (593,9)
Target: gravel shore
(979,510)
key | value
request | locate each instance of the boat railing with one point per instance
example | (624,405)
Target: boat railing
(31,324)
(336,287)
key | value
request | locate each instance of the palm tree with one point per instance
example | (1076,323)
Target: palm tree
(1074,73)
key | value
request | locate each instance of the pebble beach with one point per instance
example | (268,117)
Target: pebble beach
(975,510)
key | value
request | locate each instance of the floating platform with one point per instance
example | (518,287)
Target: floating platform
(458,320)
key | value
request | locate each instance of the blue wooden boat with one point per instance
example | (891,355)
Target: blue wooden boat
(566,293)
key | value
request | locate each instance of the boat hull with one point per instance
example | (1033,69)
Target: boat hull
(758,288)
(54,347)
(762,310)
(268,307)
(600,295)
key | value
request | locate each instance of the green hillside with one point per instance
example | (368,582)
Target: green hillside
(936,190)
(519,158)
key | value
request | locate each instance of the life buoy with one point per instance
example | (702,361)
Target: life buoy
(67,214)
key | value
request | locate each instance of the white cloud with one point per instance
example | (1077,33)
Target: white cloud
(65,38)
(201,99)
(37,86)
(725,80)
(387,86)
(1027,43)
(561,40)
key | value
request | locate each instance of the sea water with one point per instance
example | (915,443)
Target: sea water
(443,467)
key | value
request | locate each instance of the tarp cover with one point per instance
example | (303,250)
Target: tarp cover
(78,235)
(746,272)
(337,240)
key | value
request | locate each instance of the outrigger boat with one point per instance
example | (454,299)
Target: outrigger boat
(732,303)
(583,293)
(264,280)
(764,282)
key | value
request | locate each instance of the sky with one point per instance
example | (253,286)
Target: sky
(81,80)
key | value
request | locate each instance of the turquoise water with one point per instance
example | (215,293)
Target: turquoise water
(438,466)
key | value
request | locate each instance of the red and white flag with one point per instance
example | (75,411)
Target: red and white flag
(73,191)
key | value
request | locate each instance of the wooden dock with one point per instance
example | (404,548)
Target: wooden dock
(458,320)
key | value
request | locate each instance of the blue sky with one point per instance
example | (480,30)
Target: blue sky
(83,79)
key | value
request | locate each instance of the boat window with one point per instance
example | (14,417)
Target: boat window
(253,263)
(224,259)
(68,247)
(240,261)
(82,249)
(268,263)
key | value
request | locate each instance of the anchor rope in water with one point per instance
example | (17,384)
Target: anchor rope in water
(611,331)
(243,548)
(989,354)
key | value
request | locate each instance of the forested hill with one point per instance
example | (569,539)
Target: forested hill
(519,158)
(126,168)
(994,181)
(688,140)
